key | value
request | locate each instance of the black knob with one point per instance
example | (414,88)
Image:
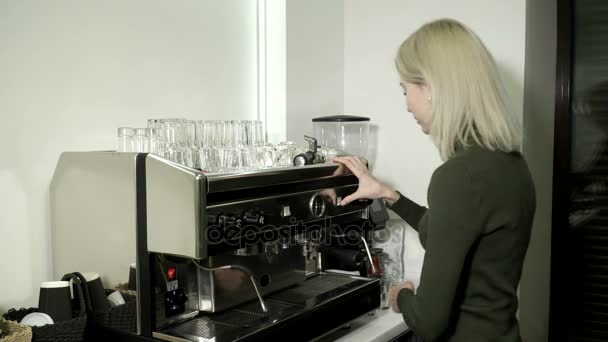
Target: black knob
(305,158)
(253,216)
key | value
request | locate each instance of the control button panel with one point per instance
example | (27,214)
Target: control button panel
(283,211)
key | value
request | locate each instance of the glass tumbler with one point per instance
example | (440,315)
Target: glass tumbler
(265,156)
(245,156)
(156,141)
(125,140)
(141,140)
(209,159)
(385,286)
(258,133)
(285,153)
(211,134)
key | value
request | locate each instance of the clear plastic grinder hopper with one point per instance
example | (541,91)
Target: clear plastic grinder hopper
(345,133)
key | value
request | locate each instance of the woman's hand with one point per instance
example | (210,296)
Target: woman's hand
(394,292)
(369,186)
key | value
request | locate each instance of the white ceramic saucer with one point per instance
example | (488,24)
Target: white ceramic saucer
(37,319)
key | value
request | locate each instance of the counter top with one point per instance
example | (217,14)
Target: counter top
(380,325)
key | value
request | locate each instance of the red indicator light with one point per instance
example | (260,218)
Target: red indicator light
(171,272)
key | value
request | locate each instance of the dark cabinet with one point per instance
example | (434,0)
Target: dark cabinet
(579,271)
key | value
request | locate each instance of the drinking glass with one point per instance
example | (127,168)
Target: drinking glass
(170,129)
(246,133)
(286,151)
(225,135)
(385,285)
(209,159)
(189,132)
(245,158)
(125,140)
(191,150)
(199,133)
(239,134)
(211,133)
(229,161)
(174,133)
(258,133)
(141,140)
(156,141)
(174,154)
(264,156)
(210,145)
(328,153)
(154,123)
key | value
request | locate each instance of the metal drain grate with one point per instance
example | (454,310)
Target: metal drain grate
(245,315)
(208,327)
(234,322)
(306,292)
(321,284)
(198,328)
(255,309)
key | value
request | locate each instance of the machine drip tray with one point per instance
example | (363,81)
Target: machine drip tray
(302,312)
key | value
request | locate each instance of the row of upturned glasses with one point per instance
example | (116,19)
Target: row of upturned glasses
(211,146)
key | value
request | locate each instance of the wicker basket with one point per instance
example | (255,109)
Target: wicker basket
(65,331)
(122,317)
(68,331)
(74,329)
(15,332)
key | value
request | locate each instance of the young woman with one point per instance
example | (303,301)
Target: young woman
(481,200)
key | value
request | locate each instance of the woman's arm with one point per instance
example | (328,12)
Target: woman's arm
(410,211)
(453,226)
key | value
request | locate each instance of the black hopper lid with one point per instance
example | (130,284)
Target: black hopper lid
(340,118)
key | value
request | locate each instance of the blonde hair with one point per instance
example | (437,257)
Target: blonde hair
(468,99)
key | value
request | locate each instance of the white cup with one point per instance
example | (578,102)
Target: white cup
(115,299)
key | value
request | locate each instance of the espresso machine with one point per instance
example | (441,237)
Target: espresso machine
(219,257)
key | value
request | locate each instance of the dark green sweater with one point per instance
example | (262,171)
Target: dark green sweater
(475,232)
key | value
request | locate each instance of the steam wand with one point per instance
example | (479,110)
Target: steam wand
(240,268)
(369,255)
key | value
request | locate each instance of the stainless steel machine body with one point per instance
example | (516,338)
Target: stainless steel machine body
(184,229)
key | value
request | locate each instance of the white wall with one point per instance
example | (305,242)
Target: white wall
(315,63)
(72,71)
(371,33)
(274,87)
(539,114)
